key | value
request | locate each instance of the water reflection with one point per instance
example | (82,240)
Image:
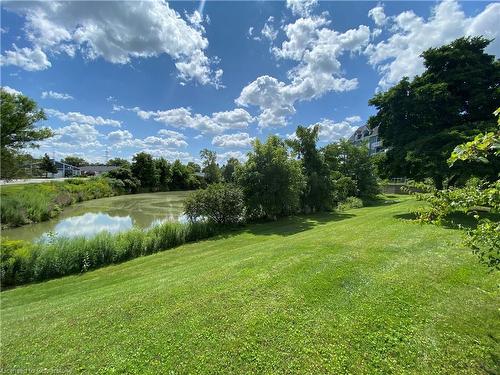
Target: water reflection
(113,214)
(90,224)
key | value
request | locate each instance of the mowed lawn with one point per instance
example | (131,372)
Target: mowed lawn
(361,292)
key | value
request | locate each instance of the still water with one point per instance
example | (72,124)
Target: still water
(113,214)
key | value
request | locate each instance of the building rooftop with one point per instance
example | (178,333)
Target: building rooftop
(362,132)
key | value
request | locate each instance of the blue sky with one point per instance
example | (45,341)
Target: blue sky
(173,78)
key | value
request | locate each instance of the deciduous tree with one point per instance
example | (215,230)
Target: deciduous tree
(75,161)
(229,168)
(210,167)
(19,116)
(47,165)
(271,180)
(318,192)
(144,169)
(422,120)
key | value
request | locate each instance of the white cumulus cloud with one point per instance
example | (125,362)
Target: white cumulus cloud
(301,7)
(225,156)
(31,59)
(411,34)
(116,31)
(81,118)
(378,15)
(233,140)
(317,49)
(331,131)
(11,91)
(183,118)
(268,31)
(56,95)
(119,135)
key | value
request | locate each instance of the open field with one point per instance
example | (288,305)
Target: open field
(363,291)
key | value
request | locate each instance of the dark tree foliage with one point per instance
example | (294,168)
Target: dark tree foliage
(219,203)
(47,165)
(318,192)
(271,180)
(74,161)
(144,169)
(194,167)
(350,163)
(164,173)
(229,168)
(210,167)
(131,184)
(183,177)
(119,162)
(18,118)
(423,119)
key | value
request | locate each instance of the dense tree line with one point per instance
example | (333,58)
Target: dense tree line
(282,178)
(146,173)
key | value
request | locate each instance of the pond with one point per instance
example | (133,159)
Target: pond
(113,214)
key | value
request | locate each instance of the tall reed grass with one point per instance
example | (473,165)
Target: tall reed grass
(32,203)
(22,262)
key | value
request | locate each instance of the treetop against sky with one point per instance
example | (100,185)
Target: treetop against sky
(174,78)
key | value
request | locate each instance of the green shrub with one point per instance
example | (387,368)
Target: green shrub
(12,212)
(23,263)
(15,258)
(485,243)
(350,202)
(218,203)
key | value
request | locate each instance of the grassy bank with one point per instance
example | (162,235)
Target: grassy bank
(23,262)
(33,203)
(363,291)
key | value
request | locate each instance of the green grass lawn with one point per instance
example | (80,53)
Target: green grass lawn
(361,292)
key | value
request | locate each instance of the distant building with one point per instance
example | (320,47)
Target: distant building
(95,170)
(65,170)
(365,135)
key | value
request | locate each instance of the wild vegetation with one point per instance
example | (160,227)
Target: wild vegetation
(478,198)
(23,262)
(32,203)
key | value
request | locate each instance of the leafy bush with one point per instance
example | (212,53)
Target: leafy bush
(15,258)
(22,262)
(350,202)
(476,195)
(485,243)
(344,187)
(218,203)
(128,182)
